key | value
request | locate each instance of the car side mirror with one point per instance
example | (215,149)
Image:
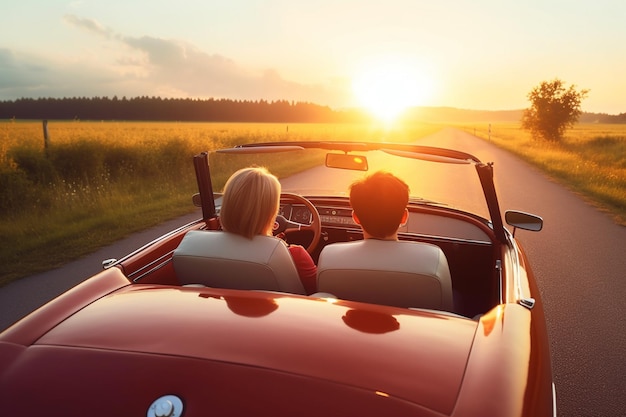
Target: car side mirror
(196,200)
(521,220)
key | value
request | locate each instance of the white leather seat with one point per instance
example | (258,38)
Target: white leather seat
(396,273)
(226,260)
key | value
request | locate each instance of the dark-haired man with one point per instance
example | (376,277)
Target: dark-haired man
(379,203)
(381,269)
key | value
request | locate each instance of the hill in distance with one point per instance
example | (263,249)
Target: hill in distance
(455,115)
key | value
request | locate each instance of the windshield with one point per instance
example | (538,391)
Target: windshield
(304,172)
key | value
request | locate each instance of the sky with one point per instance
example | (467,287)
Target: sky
(470,54)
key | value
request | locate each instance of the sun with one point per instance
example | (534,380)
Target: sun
(388,89)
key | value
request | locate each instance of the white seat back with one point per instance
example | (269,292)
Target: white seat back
(396,273)
(226,260)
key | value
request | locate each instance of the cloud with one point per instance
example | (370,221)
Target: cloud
(88,25)
(150,66)
(16,71)
(181,64)
(22,75)
(30,76)
(185,68)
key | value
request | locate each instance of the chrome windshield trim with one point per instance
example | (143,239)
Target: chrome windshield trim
(167,256)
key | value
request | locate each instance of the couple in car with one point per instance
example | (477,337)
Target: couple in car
(379,203)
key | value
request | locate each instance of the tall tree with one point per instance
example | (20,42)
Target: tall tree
(553,109)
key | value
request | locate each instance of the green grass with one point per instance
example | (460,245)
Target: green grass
(591,160)
(48,239)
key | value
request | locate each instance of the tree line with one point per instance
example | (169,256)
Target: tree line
(146,108)
(173,109)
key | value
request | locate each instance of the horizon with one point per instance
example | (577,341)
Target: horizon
(484,56)
(357,108)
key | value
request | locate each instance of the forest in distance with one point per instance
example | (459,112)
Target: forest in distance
(226,110)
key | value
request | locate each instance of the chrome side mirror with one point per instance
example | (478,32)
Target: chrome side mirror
(521,220)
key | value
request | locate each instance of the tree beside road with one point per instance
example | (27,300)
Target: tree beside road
(553,109)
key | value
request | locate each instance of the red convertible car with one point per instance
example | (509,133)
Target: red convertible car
(193,324)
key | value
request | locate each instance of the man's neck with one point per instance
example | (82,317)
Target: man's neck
(393,236)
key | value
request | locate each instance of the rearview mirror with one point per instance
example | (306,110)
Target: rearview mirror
(346,161)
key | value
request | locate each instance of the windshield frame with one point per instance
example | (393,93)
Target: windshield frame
(484,171)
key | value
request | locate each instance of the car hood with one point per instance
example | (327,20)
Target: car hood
(416,356)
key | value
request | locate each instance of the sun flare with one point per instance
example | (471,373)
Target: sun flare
(388,89)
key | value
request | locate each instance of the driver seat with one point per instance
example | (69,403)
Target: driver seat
(227,260)
(395,273)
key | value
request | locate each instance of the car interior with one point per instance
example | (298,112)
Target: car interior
(466,242)
(457,268)
(202,254)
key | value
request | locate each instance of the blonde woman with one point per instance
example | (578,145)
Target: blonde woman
(249,208)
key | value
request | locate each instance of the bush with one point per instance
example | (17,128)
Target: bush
(34,164)
(16,191)
(74,171)
(81,161)
(175,158)
(122,162)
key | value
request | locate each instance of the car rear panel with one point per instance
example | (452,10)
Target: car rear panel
(67,381)
(413,357)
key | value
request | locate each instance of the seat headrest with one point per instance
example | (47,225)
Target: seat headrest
(226,260)
(397,273)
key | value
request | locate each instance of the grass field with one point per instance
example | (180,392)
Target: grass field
(97,182)
(591,159)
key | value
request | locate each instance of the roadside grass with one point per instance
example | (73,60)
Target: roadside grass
(591,160)
(38,242)
(98,182)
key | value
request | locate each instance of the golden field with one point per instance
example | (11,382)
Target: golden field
(199,135)
(99,181)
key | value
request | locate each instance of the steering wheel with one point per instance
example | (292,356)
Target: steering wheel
(282,225)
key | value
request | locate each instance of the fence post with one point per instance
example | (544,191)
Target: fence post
(46,138)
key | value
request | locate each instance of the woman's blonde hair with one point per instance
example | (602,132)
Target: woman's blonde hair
(250,202)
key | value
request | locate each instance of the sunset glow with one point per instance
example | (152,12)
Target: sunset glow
(481,55)
(388,89)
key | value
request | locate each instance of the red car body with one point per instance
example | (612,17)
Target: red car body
(130,335)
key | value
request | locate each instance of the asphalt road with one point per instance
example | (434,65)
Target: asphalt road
(579,259)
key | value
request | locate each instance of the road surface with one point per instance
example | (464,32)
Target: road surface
(579,259)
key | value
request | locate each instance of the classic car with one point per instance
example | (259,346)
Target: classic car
(146,337)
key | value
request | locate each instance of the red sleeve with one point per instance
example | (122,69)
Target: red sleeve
(306,268)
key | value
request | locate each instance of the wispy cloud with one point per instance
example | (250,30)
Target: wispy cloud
(185,67)
(89,25)
(149,65)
